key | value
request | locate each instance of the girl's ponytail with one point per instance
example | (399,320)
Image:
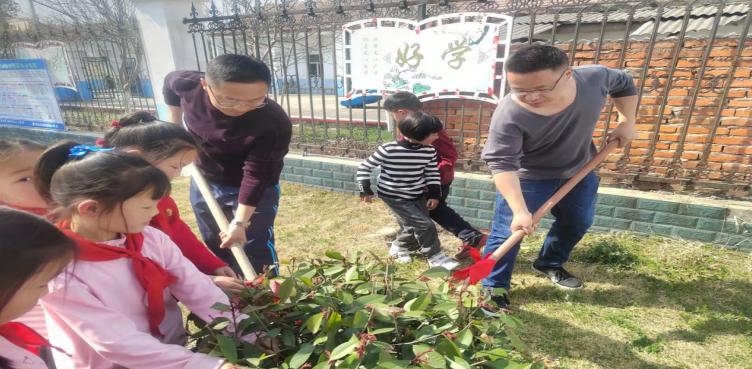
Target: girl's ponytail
(51,160)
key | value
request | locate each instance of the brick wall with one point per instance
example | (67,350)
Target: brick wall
(473,196)
(672,148)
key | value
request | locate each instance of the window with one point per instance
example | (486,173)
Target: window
(314,66)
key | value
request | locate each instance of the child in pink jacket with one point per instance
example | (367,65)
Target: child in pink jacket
(114,308)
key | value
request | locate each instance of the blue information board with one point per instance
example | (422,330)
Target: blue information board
(27,97)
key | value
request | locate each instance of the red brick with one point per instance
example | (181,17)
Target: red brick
(722,52)
(706,102)
(678,92)
(688,63)
(696,138)
(736,121)
(719,157)
(694,147)
(722,131)
(745,150)
(732,140)
(668,129)
(741,132)
(698,130)
(718,63)
(746,103)
(694,43)
(743,113)
(687,53)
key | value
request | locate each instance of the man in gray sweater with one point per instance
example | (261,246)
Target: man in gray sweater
(541,135)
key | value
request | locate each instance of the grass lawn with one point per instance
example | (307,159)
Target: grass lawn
(647,303)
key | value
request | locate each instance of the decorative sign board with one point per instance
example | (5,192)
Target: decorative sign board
(26,95)
(445,57)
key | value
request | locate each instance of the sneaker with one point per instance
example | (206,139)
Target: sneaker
(478,242)
(559,276)
(441,260)
(500,300)
(400,254)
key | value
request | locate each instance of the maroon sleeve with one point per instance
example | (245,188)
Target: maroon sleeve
(178,82)
(445,149)
(191,247)
(263,163)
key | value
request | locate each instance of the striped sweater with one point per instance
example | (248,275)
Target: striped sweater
(407,170)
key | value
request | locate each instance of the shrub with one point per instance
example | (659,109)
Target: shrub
(356,312)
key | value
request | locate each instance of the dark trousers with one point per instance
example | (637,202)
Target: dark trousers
(260,235)
(448,219)
(574,215)
(417,231)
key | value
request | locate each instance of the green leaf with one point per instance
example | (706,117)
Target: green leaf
(352,273)
(418,303)
(369,299)
(464,339)
(306,281)
(228,348)
(221,307)
(334,321)
(314,323)
(382,330)
(334,270)
(301,356)
(274,332)
(436,272)
(447,348)
(459,363)
(286,289)
(334,255)
(360,320)
(347,298)
(320,340)
(345,349)
(435,360)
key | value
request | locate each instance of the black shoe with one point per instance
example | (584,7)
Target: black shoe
(559,276)
(500,300)
(477,242)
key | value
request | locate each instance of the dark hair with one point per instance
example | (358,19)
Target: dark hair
(535,58)
(28,244)
(419,125)
(109,177)
(11,148)
(237,68)
(158,139)
(402,100)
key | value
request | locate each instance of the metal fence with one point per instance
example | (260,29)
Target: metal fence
(101,69)
(300,41)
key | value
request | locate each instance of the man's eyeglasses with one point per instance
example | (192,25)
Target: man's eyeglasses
(231,104)
(540,90)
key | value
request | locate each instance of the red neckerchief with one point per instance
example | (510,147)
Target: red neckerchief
(42,212)
(24,337)
(150,275)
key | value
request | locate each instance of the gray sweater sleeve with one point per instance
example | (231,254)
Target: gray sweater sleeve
(503,149)
(620,83)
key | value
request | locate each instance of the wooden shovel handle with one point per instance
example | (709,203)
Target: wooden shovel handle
(219,217)
(518,235)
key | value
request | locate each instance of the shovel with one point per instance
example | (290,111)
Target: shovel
(219,217)
(482,268)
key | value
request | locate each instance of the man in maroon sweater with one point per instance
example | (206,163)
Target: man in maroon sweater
(243,138)
(400,105)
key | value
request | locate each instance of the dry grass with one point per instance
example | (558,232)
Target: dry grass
(648,302)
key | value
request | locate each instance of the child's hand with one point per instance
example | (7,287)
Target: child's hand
(226,272)
(432,204)
(366,198)
(228,284)
(232,366)
(234,235)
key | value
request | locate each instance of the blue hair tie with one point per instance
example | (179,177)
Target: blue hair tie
(79,151)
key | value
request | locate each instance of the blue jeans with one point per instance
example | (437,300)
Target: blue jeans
(260,235)
(574,216)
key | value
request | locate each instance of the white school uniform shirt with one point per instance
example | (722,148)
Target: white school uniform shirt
(97,312)
(19,357)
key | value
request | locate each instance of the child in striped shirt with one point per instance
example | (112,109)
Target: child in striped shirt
(410,185)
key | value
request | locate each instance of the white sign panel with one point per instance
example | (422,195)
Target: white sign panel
(53,52)
(26,95)
(450,56)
